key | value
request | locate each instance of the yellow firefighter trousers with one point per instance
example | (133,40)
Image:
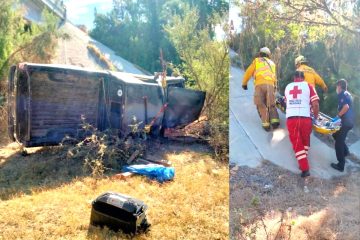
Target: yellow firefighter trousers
(264,99)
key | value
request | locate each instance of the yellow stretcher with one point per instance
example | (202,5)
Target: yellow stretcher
(322,125)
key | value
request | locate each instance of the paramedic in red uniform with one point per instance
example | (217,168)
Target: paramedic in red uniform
(300,98)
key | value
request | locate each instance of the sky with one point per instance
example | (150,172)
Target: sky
(82,12)
(234,16)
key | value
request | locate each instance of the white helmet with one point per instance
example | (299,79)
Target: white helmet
(300,59)
(265,50)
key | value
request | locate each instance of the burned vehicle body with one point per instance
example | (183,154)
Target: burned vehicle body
(48,102)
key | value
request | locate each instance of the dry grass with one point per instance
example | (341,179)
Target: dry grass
(3,125)
(326,210)
(101,57)
(193,206)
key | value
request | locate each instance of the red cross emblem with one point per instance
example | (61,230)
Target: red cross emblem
(295,92)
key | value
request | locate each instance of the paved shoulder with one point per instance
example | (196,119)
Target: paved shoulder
(355,149)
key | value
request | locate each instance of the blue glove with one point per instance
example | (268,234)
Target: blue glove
(335,119)
(313,120)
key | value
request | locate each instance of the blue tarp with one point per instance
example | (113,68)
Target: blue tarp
(153,171)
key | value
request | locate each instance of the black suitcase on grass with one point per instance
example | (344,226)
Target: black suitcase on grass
(119,212)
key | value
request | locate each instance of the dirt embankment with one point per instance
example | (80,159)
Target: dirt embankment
(271,203)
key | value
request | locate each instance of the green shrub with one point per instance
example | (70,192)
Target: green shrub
(206,66)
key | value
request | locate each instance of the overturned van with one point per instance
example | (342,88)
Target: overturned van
(48,102)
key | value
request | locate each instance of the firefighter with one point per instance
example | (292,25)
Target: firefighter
(300,98)
(346,114)
(263,70)
(311,75)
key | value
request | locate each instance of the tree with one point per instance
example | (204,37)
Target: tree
(37,47)
(18,43)
(10,29)
(205,62)
(338,13)
(134,29)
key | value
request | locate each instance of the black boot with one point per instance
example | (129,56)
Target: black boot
(275,125)
(266,128)
(337,167)
(305,174)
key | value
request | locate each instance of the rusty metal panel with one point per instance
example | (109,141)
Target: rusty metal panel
(116,98)
(134,105)
(59,99)
(11,103)
(184,106)
(22,106)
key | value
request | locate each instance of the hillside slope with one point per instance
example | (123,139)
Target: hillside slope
(73,51)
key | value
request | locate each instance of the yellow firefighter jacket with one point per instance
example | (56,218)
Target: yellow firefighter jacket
(312,77)
(263,70)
